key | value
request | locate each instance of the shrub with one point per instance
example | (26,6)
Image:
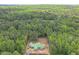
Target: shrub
(16,53)
(6,53)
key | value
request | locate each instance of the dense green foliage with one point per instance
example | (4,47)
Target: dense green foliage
(60,23)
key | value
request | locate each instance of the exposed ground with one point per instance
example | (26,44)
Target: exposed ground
(44,51)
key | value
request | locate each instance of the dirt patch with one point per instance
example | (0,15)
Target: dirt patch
(44,51)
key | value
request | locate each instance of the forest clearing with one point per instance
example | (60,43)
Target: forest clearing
(41,47)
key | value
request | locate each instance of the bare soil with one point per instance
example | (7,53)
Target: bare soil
(44,51)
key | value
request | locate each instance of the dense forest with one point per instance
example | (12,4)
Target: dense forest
(59,22)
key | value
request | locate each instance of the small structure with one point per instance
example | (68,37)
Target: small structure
(39,47)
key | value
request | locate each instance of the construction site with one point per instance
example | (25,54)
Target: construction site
(38,47)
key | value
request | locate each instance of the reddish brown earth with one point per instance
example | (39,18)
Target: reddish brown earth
(39,52)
